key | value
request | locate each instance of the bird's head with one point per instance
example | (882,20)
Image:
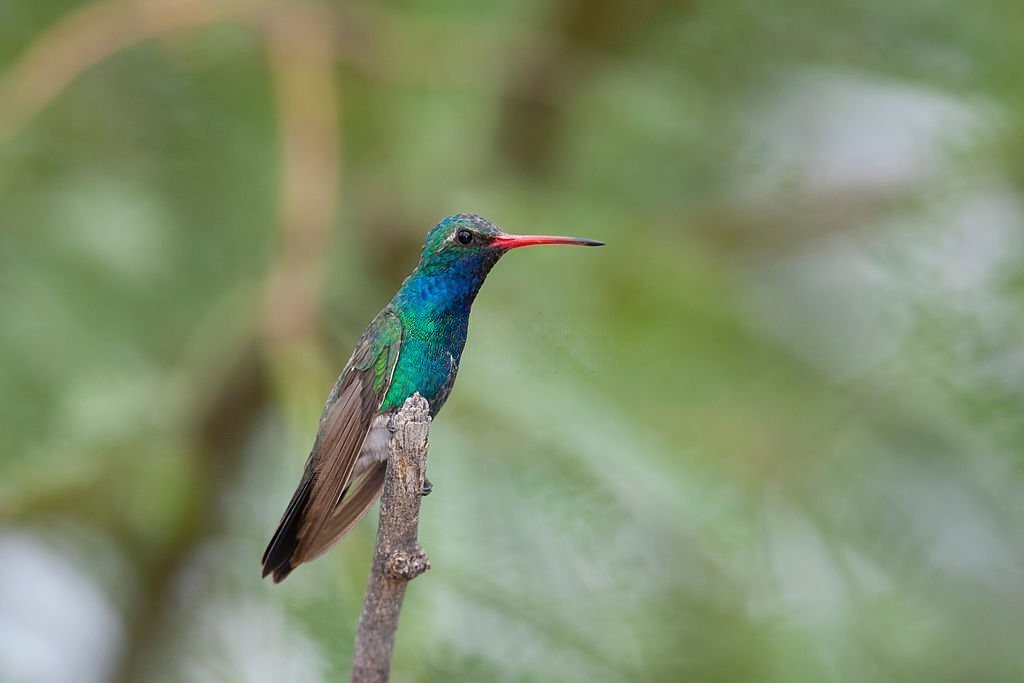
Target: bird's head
(469,245)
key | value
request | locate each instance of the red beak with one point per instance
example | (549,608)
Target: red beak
(506,241)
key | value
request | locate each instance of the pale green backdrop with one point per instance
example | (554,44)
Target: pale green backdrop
(771,433)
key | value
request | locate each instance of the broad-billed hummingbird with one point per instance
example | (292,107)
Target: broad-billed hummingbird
(414,344)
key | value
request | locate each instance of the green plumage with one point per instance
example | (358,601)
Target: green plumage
(413,345)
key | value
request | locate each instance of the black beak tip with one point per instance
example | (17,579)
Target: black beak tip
(592,243)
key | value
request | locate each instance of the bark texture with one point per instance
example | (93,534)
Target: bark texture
(398,557)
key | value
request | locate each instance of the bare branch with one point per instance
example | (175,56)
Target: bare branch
(398,557)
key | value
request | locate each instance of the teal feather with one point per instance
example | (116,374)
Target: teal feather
(413,345)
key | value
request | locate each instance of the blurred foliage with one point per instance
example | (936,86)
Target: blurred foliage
(770,433)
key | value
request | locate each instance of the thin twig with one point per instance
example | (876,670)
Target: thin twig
(398,557)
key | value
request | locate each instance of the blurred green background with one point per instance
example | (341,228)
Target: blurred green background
(772,432)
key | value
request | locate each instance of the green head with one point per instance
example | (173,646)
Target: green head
(466,243)
(457,255)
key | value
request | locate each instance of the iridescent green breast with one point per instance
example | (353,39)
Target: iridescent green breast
(428,360)
(433,305)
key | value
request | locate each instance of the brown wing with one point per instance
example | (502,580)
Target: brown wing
(310,523)
(356,500)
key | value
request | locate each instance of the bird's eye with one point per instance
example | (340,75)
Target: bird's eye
(464,236)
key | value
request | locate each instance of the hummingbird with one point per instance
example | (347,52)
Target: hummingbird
(413,345)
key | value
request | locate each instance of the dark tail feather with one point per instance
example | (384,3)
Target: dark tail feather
(280,557)
(356,500)
(277,558)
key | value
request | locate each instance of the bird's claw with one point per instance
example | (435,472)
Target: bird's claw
(427,487)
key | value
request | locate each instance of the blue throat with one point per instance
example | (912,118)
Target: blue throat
(433,305)
(445,292)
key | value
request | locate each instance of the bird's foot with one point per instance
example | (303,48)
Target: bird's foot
(427,487)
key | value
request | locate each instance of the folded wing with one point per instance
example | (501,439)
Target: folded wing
(323,508)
